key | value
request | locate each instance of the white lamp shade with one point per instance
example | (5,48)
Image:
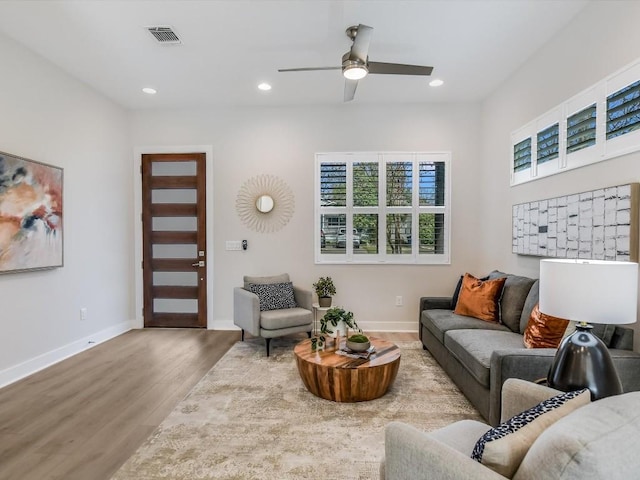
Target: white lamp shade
(592,291)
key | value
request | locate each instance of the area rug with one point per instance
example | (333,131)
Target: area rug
(250,417)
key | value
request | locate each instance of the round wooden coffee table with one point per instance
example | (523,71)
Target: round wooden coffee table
(344,379)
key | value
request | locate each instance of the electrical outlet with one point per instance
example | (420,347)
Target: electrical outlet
(399,301)
(83,314)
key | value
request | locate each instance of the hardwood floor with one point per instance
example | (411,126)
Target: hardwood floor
(83,417)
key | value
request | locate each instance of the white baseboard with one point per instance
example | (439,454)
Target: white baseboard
(367,326)
(24,369)
(388,326)
(222,325)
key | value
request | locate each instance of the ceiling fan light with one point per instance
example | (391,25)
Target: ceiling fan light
(354,72)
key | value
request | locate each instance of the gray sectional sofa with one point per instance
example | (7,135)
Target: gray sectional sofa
(479,356)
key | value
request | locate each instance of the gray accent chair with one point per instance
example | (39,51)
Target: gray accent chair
(271,323)
(595,442)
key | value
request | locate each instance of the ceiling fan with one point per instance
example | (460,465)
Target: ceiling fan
(356,64)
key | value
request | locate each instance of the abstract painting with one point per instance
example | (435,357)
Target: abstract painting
(30,215)
(599,225)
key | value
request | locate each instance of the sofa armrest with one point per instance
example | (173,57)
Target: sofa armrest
(433,303)
(246,310)
(412,454)
(523,363)
(304,297)
(533,364)
(520,395)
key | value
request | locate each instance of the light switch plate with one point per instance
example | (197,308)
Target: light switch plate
(233,245)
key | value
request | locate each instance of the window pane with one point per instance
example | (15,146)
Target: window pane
(581,129)
(431,186)
(522,155)
(365,184)
(432,236)
(548,144)
(365,233)
(399,181)
(623,111)
(333,184)
(330,224)
(398,233)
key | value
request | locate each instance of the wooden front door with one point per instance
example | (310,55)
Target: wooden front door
(174,240)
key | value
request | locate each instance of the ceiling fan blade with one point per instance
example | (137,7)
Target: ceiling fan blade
(398,68)
(350,89)
(360,48)
(308,69)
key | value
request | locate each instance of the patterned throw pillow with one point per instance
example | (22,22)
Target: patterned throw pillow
(480,299)
(274,296)
(502,448)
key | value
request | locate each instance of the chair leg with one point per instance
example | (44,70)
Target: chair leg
(242,335)
(268,340)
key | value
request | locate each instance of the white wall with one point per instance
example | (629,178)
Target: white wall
(282,142)
(602,39)
(47,116)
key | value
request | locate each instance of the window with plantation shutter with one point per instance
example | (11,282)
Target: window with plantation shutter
(382,207)
(581,129)
(548,144)
(623,111)
(522,155)
(599,123)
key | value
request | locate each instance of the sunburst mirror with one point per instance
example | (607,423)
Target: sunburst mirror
(265,203)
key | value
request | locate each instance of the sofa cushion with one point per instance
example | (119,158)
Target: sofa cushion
(461,435)
(286,318)
(514,295)
(473,348)
(456,292)
(480,299)
(529,303)
(544,331)
(503,447)
(440,321)
(595,442)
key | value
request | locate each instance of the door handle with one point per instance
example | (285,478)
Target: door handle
(198,264)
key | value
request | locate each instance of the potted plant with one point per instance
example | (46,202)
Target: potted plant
(335,320)
(325,289)
(358,343)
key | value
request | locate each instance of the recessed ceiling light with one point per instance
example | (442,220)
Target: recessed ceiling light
(264,87)
(149,90)
(436,82)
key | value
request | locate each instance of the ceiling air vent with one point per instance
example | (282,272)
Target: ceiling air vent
(164,34)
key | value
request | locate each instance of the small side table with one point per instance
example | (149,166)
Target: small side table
(317,308)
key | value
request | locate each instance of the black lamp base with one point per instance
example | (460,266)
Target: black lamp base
(583,361)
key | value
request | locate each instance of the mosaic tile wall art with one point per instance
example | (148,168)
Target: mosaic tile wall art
(599,225)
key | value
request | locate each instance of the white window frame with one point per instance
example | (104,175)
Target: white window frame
(382,158)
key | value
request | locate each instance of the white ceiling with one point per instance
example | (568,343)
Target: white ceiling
(229,46)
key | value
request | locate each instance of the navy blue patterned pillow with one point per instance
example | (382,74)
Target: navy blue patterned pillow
(502,448)
(274,296)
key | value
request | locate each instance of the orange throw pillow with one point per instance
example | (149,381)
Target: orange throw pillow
(544,331)
(480,299)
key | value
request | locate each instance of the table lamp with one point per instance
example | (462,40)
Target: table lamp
(587,291)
